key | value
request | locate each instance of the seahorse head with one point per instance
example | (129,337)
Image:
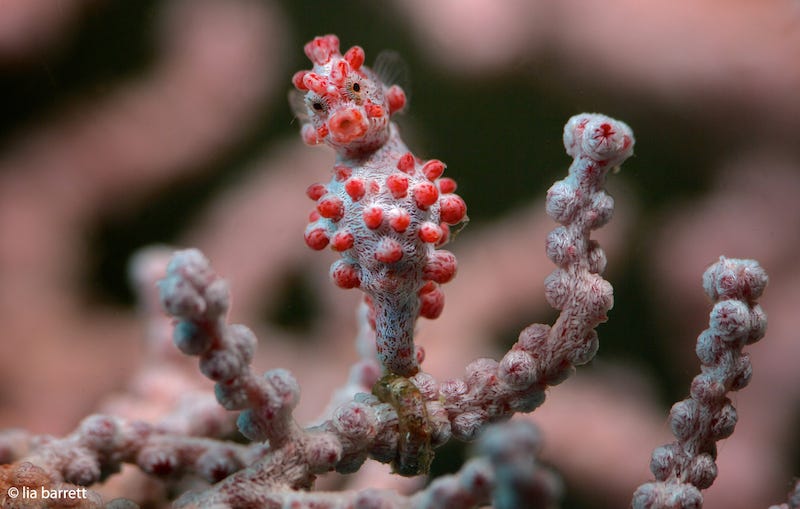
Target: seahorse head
(346,104)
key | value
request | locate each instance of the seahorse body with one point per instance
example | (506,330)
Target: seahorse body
(385,210)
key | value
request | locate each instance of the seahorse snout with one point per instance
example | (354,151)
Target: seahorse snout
(347,125)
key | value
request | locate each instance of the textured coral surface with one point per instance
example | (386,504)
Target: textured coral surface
(165,121)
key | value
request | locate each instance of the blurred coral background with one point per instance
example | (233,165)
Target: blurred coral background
(127,124)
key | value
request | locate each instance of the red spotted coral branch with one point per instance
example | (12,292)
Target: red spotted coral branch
(686,466)
(385,210)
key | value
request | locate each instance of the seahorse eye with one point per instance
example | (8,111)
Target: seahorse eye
(317,106)
(356,87)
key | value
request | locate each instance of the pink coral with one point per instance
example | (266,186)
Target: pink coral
(500,293)
(364,426)
(410,417)
(687,466)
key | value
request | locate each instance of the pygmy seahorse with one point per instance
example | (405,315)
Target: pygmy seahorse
(384,210)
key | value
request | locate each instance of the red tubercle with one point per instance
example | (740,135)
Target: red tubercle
(316,237)
(429,286)
(344,275)
(433,169)
(397,185)
(331,207)
(406,163)
(441,267)
(355,57)
(399,220)
(342,172)
(314,216)
(446,185)
(316,83)
(342,240)
(430,232)
(355,188)
(309,135)
(373,110)
(388,250)
(396,99)
(316,191)
(431,301)
(347,125)
(321,48)
(373,216)
(297,80)
(339,72)
(452,209)
(322,131)
(425,195)
(445,234)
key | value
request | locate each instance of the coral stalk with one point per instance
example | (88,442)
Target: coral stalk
(545,355)
(385,211)
(687,465)
(194,294)
(365,426)
(793,501)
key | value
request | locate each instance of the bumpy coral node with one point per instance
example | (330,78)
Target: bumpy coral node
(735,279)
(598,137)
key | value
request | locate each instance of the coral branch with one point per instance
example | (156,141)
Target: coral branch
(400,273)
(505,473)
(686,466)
(793,501)
(519,481)
(387,213)
(546,355)
(385,210)
(402,429)
(99,447)
(193,293)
